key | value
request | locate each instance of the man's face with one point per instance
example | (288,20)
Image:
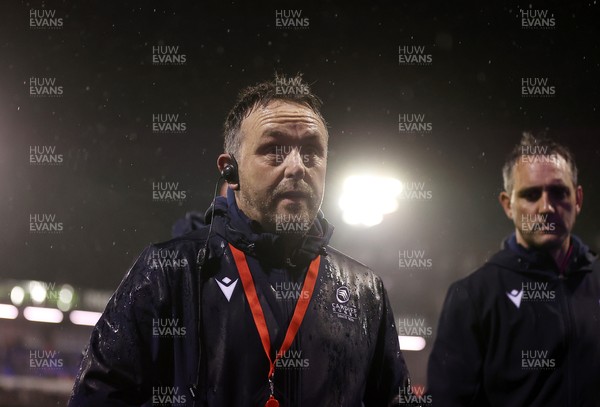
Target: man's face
(282,163)
(544,202)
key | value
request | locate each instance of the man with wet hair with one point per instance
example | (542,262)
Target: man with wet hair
(253,308)
(524,329)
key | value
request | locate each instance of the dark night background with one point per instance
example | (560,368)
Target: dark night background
(471,93)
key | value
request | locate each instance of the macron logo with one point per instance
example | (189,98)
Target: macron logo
(515,296)
(227,285)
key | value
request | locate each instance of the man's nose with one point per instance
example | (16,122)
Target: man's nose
(545,204)
(294,164)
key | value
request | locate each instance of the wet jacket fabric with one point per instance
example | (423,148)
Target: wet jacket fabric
(145,348)
(518,332)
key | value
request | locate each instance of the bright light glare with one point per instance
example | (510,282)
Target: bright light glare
(366,198)
(88,318)
(415,343)
(66,294)
(65,298)
(37,292)
(8,311)
(39,314)
(17,295)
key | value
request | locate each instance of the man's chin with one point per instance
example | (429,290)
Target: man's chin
(547,241)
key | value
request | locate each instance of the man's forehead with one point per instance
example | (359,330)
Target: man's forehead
(542,171)
(280,116)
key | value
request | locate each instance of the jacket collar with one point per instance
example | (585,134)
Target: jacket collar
(229,222)
(516,257)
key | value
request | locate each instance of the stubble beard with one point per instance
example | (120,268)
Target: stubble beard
(270,215)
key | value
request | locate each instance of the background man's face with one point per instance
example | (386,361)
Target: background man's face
(283,159)
(544,202)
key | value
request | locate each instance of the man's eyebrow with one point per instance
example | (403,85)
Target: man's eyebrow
(530,189)
(276,134)
(553,185)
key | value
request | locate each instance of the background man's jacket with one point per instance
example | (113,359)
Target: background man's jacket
(518,333)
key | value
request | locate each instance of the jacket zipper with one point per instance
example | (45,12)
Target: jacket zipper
(566,303)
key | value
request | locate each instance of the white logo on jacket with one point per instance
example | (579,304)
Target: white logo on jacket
(340,308)
(515,296)
(227,286)
(342,294)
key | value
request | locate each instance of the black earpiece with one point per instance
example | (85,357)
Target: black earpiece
(230,172)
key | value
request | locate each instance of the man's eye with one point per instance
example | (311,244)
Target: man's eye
(312,151)
(531,196)
(271,150)
(559,193)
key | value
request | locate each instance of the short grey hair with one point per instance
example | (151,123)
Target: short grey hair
(262,94)
(548,146)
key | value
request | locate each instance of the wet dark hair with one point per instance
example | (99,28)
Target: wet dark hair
(538,144)
(281,87)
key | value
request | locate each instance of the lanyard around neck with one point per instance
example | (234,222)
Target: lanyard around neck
(257,312)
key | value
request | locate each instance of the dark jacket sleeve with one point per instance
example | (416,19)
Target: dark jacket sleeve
(388,371)
(116,369)
(454,374)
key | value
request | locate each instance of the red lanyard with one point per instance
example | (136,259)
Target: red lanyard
(259,317)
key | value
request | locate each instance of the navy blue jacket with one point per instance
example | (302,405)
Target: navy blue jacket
(149,349)
(518,333)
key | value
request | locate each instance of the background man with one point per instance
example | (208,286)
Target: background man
(276,314)
(523,329)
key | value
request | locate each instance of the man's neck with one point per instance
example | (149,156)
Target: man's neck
(559,253)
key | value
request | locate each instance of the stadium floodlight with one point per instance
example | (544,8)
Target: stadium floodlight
(17,295)
(367,198)
(65,297)
(37,291)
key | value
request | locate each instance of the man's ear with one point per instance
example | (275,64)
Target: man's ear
(222,161)
(578,198)
(504,199)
